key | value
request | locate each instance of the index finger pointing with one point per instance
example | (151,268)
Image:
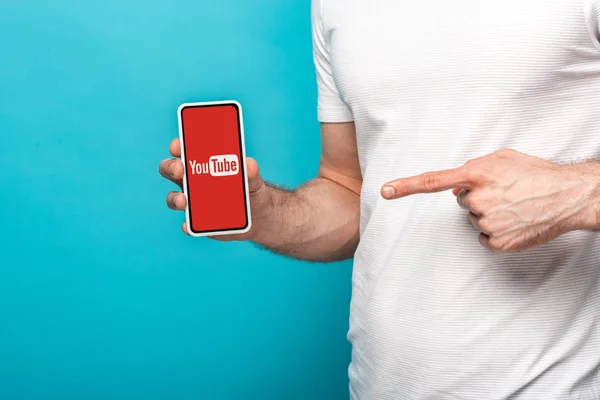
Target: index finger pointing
(429,182)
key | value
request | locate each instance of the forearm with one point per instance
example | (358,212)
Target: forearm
(319,221)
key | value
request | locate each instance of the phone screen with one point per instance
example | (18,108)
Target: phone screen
(214,159)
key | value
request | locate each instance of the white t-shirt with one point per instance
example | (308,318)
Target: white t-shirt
(431,85)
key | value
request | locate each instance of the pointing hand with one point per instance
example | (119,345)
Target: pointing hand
(514,200)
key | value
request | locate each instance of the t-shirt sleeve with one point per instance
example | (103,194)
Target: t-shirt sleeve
(330,107)
(592,10)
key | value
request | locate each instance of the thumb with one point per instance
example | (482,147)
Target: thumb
(255,182)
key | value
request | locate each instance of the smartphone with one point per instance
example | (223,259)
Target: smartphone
(215,180)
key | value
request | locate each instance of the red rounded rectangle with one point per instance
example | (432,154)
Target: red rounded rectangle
(215,180)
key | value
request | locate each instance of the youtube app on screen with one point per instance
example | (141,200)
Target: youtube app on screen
(215,179)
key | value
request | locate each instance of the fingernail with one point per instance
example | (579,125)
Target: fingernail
(388,192)
(171,168)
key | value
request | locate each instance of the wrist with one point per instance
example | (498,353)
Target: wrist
(587,195)
(592,219)
(262,201)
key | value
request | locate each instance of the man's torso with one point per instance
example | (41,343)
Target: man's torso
(430,86)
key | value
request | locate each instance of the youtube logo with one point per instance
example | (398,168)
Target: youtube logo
(221,165)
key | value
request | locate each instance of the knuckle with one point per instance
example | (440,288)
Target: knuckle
(471,166)
(504,153)
(496,244)
(472,174)
(429,181)
(476,202)
(473,202)
(486,225)
(501,245)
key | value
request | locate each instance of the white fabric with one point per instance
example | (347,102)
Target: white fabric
(431,85)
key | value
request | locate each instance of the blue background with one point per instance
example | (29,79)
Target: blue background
(101,295)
